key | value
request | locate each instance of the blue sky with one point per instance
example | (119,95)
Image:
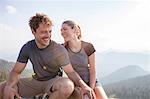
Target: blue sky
(118,25)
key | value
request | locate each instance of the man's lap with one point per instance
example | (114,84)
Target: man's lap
(28,87)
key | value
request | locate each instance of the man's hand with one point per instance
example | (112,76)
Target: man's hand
(89,92)
(73,75)
(10,93)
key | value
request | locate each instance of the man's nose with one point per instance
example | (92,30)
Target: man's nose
(48,33)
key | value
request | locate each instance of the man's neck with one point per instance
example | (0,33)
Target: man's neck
(40,46)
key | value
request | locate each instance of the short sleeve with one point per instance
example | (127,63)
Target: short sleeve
(23,54)
(62,56)
(89,48)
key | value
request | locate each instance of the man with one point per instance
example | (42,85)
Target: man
(46,57)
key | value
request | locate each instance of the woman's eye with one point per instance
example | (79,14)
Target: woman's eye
(50,31)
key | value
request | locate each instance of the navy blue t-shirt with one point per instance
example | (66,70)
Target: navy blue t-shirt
(46,62)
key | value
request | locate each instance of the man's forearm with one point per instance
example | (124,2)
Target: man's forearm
(76,79)
(12,79)
(15,73)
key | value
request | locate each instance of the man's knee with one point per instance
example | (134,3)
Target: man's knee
(77,93)
(78,90)
(65,86)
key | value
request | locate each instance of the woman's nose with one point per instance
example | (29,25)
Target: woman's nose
(62,32)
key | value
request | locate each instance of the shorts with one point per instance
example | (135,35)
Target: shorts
(29,87)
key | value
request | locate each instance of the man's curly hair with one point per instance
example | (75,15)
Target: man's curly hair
(38,19)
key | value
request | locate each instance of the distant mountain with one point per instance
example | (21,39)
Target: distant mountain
(6,67)
(135,88)
(110,61)
(124,73)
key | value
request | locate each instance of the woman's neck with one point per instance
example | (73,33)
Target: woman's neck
(75,45)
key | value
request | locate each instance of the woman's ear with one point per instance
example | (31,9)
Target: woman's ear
(78,32)
(75,29)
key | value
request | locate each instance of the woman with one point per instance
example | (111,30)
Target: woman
(82,56)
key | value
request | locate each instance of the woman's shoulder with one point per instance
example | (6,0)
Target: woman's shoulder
(86,44)
(88,48)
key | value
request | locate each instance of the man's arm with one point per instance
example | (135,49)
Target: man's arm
(72,74)
(15,73)
(13,79)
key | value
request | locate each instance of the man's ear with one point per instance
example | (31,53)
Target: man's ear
(33,32)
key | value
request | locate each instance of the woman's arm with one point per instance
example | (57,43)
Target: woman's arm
(91,60)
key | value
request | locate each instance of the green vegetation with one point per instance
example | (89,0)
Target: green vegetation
(3,76)
(135,88)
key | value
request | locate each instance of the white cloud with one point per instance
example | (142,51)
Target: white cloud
(11,9)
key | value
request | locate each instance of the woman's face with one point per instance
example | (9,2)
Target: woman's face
(67,32)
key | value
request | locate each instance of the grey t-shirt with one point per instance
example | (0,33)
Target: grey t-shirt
(79,60)
(46,62)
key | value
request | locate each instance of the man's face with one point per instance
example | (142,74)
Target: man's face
(43,35)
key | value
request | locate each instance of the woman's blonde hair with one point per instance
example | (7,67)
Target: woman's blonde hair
(73,25)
